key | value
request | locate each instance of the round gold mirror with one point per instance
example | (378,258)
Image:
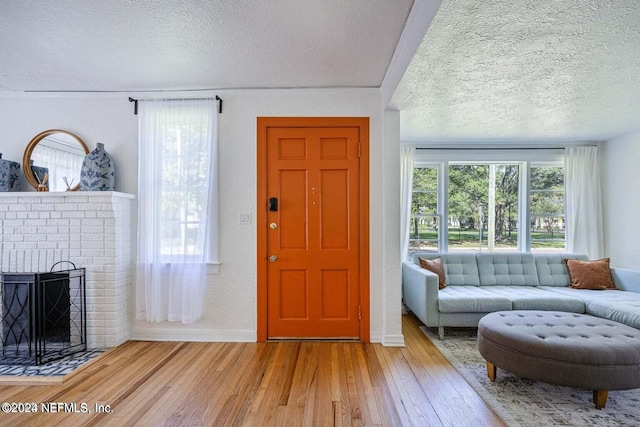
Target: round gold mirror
(53,159)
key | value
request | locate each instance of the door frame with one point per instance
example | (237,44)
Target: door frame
(263,124)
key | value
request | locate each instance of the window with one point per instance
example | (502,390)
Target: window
(483,207)
(547,226)
(424,210)
(177,206)
(488,200)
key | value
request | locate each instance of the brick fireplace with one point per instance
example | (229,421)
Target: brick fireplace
(92,230)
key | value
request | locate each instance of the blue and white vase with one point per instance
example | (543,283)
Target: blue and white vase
(98,172)
(9,175)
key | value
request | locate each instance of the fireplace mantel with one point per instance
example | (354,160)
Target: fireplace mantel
(92,229)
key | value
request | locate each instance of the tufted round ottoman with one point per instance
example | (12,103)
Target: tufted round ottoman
(567,349)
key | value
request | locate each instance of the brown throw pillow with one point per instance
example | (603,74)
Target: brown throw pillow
(590,274)
(435,266)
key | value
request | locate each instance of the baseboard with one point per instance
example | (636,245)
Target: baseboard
(192,335)
(393,341)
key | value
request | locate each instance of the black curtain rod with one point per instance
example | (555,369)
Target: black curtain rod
(135,101)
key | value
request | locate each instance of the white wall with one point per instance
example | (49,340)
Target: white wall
(620,172)
(230,304)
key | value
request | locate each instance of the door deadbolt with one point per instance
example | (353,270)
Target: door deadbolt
(273,226)
(273,258)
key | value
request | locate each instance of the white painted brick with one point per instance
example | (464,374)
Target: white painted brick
(92,229)
(25,230)
(35,238)
(43,207)
(49,230)
(93,245)
(20,207)
(6,200)
(76,199)
(58,237)
(66,207)
(29,200)
(72,214)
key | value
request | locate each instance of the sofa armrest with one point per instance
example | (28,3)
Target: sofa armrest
(420,292)
(627,280)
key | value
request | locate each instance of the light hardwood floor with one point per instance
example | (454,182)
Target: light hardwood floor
(262,384)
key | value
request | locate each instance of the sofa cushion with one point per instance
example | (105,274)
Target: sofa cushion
(534,298)
(435,266)
(552,268)
(590,274)
(459,269)
(507,269)
(470,299)
(612,304)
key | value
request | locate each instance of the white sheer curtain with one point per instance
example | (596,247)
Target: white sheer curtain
(583,202)
(177,205)
(407,159)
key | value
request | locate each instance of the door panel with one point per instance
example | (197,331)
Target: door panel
(313,275)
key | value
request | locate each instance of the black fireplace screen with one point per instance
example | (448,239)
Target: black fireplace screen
(43,316)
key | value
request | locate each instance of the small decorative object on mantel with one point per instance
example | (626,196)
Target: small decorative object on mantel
(9,175)
(68,184)
(98,171)
(42,177)
(42,185)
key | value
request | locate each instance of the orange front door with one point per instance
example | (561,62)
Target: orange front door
(313,232)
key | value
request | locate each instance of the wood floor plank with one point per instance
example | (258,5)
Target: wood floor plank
(262,384)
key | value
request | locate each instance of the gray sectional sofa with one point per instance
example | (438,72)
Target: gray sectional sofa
(482,283)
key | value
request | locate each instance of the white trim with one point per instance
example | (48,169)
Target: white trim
(192,335)
(418,22)
(213,268)
(524,211)
(488,156)
(525,159)
(393,341)
(375,338)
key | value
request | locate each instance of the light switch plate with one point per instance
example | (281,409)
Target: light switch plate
(244,218)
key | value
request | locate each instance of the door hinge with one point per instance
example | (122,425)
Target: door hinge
(359,312)
(359,149)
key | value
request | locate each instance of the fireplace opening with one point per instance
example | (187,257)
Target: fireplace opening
(43,316)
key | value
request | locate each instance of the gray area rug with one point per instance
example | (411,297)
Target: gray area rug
(521,402)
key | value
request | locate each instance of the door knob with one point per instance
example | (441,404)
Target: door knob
(273,258)
(273,226)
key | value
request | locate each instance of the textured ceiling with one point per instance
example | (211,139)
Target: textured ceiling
(504,70)
(146,45)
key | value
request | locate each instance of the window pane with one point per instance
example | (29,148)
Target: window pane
(547,178)
(423,229)
(423,234)
(424,203)
(547,209)
(469,206)
(425,179)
